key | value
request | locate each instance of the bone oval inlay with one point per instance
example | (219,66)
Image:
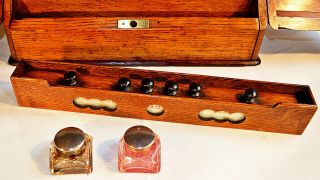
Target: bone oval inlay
(155,110)
(209,114)
(95,104)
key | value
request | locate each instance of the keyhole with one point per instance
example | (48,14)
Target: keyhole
(133,24)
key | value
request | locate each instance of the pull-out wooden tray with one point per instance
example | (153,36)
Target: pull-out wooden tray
(281,108)
(188,33)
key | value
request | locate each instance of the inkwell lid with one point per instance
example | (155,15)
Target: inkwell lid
(139,137)
(70,140)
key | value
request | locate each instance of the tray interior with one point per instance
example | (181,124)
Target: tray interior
(145,8)
(214,88)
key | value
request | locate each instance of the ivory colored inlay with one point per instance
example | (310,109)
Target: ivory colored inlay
(155,110)
(95,103)
(221,115)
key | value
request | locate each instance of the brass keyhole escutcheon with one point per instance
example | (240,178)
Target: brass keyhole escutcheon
(133,24)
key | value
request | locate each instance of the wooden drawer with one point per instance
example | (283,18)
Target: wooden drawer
(197,32)
(172,39)
(281,108)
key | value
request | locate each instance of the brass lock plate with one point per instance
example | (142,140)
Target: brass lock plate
(133,24)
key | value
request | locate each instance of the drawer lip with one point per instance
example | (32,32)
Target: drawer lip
(155,22)
(182,62)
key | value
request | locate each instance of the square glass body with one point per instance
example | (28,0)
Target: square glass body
(146,160)
(80,163)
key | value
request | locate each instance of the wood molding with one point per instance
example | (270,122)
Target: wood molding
(262,12)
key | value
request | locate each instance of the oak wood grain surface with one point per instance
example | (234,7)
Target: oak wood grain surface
(298,5)
(36,89)
(95,38)
(262,13)
(109,83)
(294,14)
(197,32)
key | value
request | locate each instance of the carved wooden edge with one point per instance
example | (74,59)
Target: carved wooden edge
(272,14)
(7,18)
(7,13)
(262,7)
(1,11)
(262,12)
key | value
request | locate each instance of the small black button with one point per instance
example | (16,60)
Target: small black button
(70,78)
(147,85)
(195,89)
(250,96)
(124,84)
(171,88)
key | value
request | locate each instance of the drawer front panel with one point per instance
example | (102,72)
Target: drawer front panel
(97,39)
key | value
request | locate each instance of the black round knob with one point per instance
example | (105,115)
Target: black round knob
(147,85)
(171,88)
(70,78)
(195,89)
(124,84)
(250,95)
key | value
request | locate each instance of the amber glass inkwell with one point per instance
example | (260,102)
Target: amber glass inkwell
(71,152)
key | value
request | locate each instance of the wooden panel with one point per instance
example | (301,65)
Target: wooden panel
(7,17)
(113,72)
(298,5)
(262,12)
(294,14)
(291,116)
(299,23)
(1,11)
(59,8)
(177,39)
(211,92)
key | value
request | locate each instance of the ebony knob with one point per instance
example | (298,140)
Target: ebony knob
(147,85)
(195,89)
(124,84)
(171,88)
(250,96)
(70,78)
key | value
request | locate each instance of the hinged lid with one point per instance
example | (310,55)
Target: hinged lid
(294,14)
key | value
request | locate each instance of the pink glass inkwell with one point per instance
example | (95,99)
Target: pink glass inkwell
(139,151)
